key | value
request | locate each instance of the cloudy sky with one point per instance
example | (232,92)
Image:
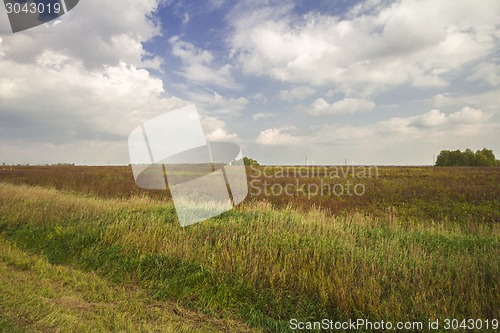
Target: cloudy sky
(373,82)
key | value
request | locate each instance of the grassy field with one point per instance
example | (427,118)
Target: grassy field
(83,249)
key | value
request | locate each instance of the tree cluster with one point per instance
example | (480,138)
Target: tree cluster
(250,161)
(484,157)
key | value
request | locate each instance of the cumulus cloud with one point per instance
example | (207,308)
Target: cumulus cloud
(435,118)
(215,103)
(431,125)
(364,54)
(91,32)
(261,115)
(215,129)
(82,85)
(430,119)
(198,65)
(468,115)
(220,134)
(77,88)
(278,137)
(398,140)
(232,104)
(488,72)
(347,105)
(57,98)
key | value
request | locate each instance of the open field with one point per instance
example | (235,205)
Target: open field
(469,194)
(83,249)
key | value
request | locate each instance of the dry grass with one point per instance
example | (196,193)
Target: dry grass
(432,193)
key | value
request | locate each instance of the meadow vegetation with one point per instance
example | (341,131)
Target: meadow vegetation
(83,249)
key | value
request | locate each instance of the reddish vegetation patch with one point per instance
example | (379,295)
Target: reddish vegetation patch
(428,192)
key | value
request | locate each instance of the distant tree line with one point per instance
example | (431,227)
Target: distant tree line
(484,157)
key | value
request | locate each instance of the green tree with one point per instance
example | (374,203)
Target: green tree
(250,161)
(469,157)
(456,158)
(443,159)
(484,157)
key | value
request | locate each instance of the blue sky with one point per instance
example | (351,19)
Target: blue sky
(373,82)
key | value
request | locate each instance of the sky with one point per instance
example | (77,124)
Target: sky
(367,82)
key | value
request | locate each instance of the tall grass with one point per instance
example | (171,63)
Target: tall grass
(42,297)
(266,266)
(443,193)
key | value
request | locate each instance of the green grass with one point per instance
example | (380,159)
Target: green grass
(38,295)
(257,264)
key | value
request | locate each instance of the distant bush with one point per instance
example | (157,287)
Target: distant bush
(484,157)
(250,161)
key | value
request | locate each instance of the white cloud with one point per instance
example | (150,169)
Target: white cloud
(211,123)
(218,104)
(347,105)
(91,32)
(198,65)
(364,55)
(261,115)
(217,3)
(220,134)
(278,137)
(486,71)
(398,140)
(215,129)
(439,100)
(296,94)
(74,90)
(468,115)
(185,18)
(238,103)
(435,118)
(486,100)
(61,97)
(188,53)
(259,97)
(80,86)
(430,119)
